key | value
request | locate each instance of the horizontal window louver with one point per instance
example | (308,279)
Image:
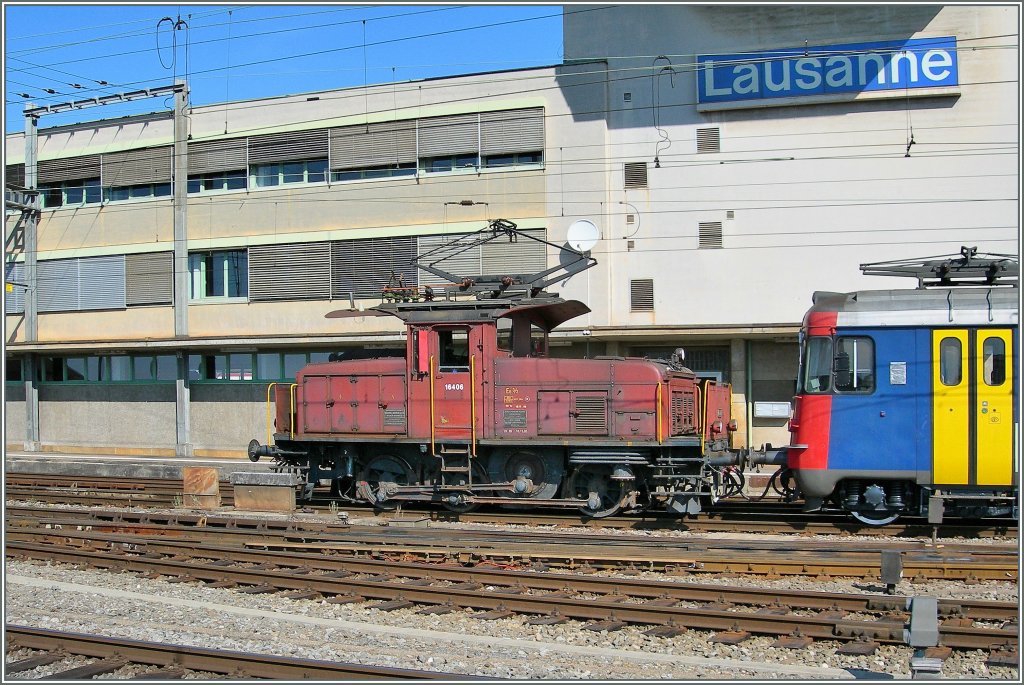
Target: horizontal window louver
(138,167)
(213,156)
(501,258)
(364,267)
(149,278)
(14,301)
(709,234)
(101,282)
(288,147)
(641,295)
(635,174)
(57,285)
(520,130)
(15,175)
(300,271)
(68,169)
(451,135)
(709,139)
(464,263)
(66,285)
(373,145)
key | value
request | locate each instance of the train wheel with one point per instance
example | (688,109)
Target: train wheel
(593,483)
(379,477)
(543,471)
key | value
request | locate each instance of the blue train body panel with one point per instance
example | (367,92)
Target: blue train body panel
(890,428)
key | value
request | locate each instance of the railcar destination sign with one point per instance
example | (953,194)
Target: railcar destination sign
(827,70)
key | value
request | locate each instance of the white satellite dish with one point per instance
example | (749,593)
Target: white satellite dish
(582,235)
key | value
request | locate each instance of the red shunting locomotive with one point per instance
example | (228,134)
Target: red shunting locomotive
(477,412)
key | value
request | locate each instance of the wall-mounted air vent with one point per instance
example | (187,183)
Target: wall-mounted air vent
(709,234)
(709,140)
(641,295)
(635,174)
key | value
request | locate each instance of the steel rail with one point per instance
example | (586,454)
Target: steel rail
(235,664)
(798,557)
(725,516)
(471,595)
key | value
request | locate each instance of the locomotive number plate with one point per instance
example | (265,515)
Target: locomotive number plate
(454,386)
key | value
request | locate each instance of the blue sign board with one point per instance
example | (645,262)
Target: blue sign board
(827,70)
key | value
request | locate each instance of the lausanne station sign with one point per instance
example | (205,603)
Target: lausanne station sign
(824,70)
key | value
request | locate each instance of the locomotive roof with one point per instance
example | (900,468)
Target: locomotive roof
(955,306)
(544,312)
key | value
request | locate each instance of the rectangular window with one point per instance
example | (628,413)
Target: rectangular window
(14,371)
(855,365)
(142,191)
(215,182)
(166,367)
(77,370)
(71,193)
(268,365)
(512,160)
(950,361)
(310,171)
(240,368)
(144,368)
(454,348)
(293,363)
(121,368)
(222,273)
(449,163)
(994,351)
(817,365)
(386,171)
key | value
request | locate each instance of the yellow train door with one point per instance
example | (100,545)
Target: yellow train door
(994,407)
(972,407)
(951,408)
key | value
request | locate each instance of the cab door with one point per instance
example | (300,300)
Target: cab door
(452,381)
(972,407)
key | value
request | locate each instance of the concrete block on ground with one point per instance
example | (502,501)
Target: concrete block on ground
(200,487)
(255,491)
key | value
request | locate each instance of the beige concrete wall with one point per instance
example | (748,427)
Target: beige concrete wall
(14,415)
(107,415)
(225,417)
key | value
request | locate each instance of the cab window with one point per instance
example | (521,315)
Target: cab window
(994,352)
(818,365)
(854,364)
(453,346)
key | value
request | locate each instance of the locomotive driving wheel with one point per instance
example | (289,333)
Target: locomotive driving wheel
(593,483)
(378,479)
(454,501)
(536,475)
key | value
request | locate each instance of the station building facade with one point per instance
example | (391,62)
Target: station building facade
(734,159)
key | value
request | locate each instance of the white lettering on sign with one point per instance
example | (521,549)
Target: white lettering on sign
(454,386)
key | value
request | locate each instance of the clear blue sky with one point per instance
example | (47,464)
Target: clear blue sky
(239,52)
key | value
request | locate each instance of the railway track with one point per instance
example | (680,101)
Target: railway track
(775,517)
(529,549)
(99,655)
(795,618)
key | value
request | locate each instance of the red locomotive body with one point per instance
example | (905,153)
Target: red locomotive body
(477,412)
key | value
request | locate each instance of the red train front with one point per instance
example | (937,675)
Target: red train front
(476,412)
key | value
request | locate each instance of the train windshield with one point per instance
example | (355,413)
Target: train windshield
(817,363)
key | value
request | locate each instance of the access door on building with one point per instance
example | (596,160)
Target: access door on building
(972,407)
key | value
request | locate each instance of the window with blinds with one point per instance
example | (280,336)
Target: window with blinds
(143,166)
(70,169)
(496,258)
(380,145)
(288,147)
(14,301)
(364,267)
(641,295)
(149,278)
(300,271)
(635,174)
(81,284)
(709,234)
(14,175)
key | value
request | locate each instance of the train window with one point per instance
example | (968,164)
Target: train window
(505,335)
(950,361)
(454,347)
(854,364)
(994,351)
(818,365)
